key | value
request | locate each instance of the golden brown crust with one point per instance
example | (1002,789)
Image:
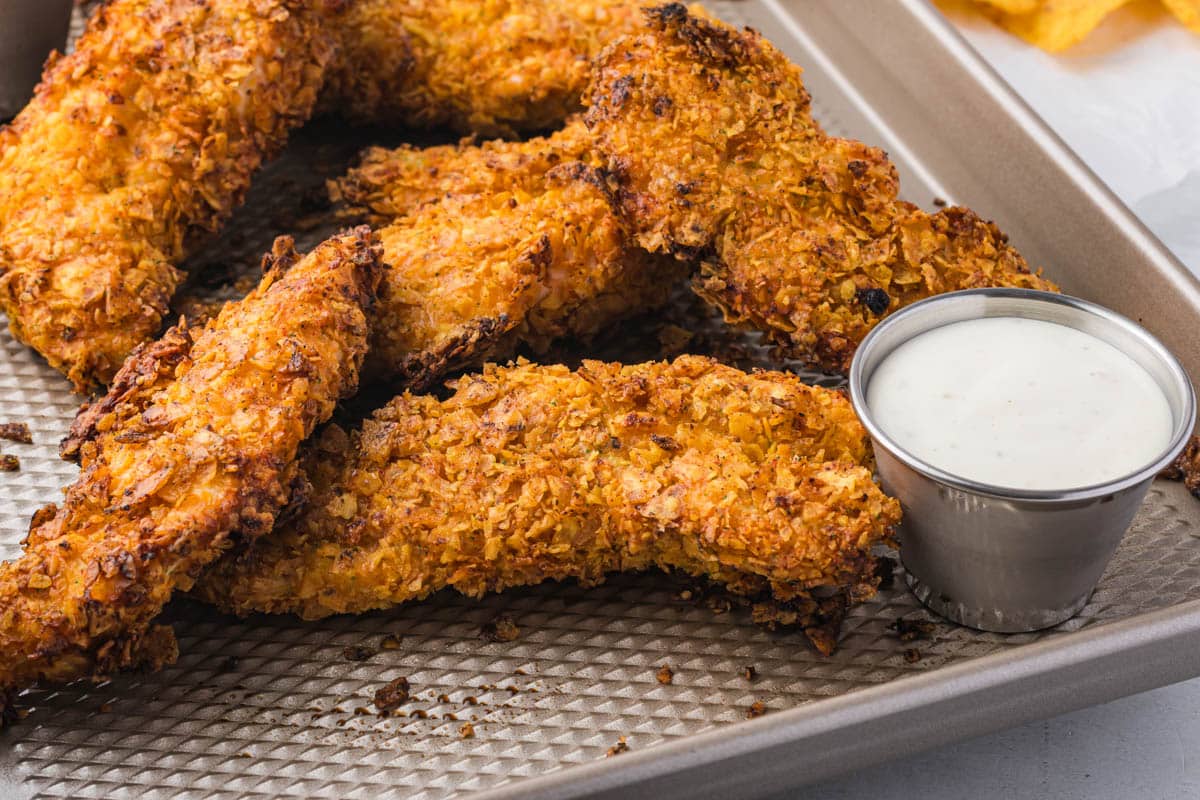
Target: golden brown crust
(530,473)
(493,67)
(494,246)
(708,137)
(172,464)
(140,141)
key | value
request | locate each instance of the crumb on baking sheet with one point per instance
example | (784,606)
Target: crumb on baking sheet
(500,629)
(665,675)
(466,730)
(620,747)
(909,630)
(9,463)
(357,653)
(757,709)
(392,695)
(16,432)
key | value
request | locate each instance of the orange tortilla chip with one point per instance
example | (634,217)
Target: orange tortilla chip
(1058,24)
(1186,11)
(1013,6)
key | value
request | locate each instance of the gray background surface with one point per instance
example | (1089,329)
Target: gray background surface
(1128,101)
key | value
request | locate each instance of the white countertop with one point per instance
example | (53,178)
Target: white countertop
(1128,101)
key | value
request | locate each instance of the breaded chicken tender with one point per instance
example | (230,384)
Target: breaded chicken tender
(493,67)
(532,473)
(135,145)
(495,246)
(197,438)
(714,155)
(393,182)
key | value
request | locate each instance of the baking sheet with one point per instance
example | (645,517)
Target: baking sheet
(274,707)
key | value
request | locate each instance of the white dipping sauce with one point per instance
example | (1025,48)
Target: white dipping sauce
(1020,404)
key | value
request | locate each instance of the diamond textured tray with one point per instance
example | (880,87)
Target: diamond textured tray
(270,706)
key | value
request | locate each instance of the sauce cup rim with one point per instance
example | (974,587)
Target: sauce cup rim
(1181,427)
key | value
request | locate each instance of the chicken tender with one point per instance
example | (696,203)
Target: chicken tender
(135,145)
(493,67)
(708,136)
(531,473)
(197,438)
(393,182)
(493,247)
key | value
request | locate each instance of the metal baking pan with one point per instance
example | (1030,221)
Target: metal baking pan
(266,706)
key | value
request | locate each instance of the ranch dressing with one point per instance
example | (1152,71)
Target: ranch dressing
(1021,404)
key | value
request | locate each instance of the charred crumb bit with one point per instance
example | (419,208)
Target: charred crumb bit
(16,432)
(665,675)
(393,695)
(910,630)
(389,643)
(749,672)
(501,629)
(940,202)
(620,747)
(912,655)
(105,708)
(757,709)
(466,730)
(885,571)
(357,653)
(877,301)
(9,463)
(719,604)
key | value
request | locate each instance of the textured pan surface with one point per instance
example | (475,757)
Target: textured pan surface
(267,706)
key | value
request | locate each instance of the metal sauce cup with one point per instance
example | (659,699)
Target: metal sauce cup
(29,30)
(1012,560)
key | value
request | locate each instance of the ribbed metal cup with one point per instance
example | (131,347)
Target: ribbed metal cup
(29,30)
(1012,560)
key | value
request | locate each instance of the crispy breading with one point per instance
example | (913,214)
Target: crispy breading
(494,67)
(140,141)
(495,246)
(530,473)
(708,136)
(392,182)
(474,276)
(197,439)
